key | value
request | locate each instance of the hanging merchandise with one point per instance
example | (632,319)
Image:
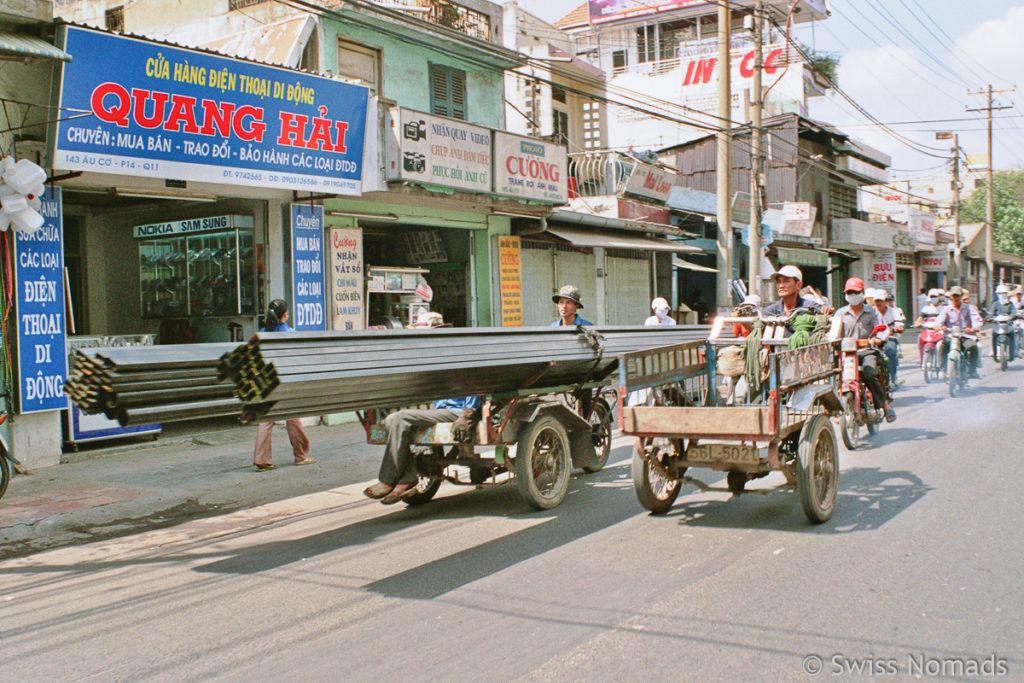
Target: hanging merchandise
(21,190)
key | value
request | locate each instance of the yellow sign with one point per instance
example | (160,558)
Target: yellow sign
(511,283)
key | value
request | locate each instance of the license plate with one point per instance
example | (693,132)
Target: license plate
(722,452)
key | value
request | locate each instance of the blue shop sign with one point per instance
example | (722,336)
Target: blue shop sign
(42,328)
(167,112)
(308,302)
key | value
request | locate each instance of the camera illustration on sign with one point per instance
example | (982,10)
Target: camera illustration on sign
(415,130)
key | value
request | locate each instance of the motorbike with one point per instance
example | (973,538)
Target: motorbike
(928,344)
(1002,333)
(858,406)
(956,364)
(8,463)
(1018,330)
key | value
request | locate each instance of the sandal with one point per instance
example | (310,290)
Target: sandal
(265,467)
(890,415)
(305,461)
(400,492)
(377,491)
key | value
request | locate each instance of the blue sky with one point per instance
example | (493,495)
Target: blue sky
(903,66)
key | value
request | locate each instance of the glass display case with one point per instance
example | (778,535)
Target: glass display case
(199,274)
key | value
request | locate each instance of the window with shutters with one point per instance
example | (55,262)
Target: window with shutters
(359,64)
(447,92)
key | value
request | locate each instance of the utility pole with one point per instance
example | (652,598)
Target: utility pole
(756,195)
(723,168)
(958,254)
(986,296)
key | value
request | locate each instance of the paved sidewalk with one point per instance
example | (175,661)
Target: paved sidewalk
(112,490)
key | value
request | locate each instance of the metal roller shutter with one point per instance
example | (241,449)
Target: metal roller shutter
(575,267)
(627,290)
(538,275)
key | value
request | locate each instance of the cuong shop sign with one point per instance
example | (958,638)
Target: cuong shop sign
(439,151)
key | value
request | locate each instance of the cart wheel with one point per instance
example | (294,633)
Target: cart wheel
(817,470)
(5,473)
(848,424)
(543,463)
(426,487)
(654,491)
(601,432)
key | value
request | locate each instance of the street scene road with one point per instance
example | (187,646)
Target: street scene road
(916,575)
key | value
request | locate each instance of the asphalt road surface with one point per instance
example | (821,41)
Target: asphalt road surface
(917,574)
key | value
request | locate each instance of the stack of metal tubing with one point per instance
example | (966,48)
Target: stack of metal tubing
(147,384)
(285,375)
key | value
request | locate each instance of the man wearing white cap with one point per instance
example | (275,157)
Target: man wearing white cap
(788,280)
(661,308)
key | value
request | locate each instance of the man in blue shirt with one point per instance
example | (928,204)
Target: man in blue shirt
(568,300)
(788,281)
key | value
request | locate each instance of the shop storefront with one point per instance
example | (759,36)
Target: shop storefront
(177,177)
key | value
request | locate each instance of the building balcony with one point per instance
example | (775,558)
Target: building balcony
(447,14)
(851,233)
(614,174)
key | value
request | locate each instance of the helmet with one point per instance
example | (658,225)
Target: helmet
(854,284)
(1002,289)
(659,303)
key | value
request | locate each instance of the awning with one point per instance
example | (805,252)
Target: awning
(279,43)
(582,238)
(686,265)
(23,45)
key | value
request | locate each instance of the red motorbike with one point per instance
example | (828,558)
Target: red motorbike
(928,344)
(858,407)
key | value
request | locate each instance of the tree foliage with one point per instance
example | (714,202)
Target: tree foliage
(1008,210)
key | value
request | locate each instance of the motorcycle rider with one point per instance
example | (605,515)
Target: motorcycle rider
(894,319)
(966,317)
(1003,306)
(857,321)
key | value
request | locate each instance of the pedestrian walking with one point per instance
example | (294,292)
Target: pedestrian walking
(277,321)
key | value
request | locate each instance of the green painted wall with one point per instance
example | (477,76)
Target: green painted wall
(404,72)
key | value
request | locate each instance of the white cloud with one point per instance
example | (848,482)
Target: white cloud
(996,45)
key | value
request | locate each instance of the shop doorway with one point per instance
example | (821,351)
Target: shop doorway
(442,253)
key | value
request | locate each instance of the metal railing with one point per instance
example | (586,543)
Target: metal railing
(448,14)
(600,174)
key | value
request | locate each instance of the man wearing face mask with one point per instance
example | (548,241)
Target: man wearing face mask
(660,317)
(857,321)
(967,318)
(1003,306)
(893,317)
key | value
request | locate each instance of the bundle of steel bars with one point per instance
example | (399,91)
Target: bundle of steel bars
(149,384)
(311,373)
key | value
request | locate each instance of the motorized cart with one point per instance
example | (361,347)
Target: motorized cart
(771,413)
(538,436)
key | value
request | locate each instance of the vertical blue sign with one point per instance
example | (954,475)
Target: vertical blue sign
(308,268)
(42,329)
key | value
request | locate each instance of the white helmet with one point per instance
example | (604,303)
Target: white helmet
(1002,289)
(659,302)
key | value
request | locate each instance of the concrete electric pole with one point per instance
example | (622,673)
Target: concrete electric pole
(723,170)
(985,296)
(756,194)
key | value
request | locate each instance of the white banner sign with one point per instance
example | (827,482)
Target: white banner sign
(798,218)
(650,181)
(346,276)
(883,271)
(934,261)
(442,151)
(529,168)
(923,226)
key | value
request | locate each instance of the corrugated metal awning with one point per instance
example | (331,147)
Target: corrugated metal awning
(686,265)
(22,45)
(279,43)
(584,238)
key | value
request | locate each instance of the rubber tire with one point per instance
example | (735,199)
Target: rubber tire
(929,365)
(1004,354)
(427,486)
(953,375)
(5,473)
(601,423)
(547,426)
(872,428)
(736,481)
(848,426)
(642,484)
(817,475)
